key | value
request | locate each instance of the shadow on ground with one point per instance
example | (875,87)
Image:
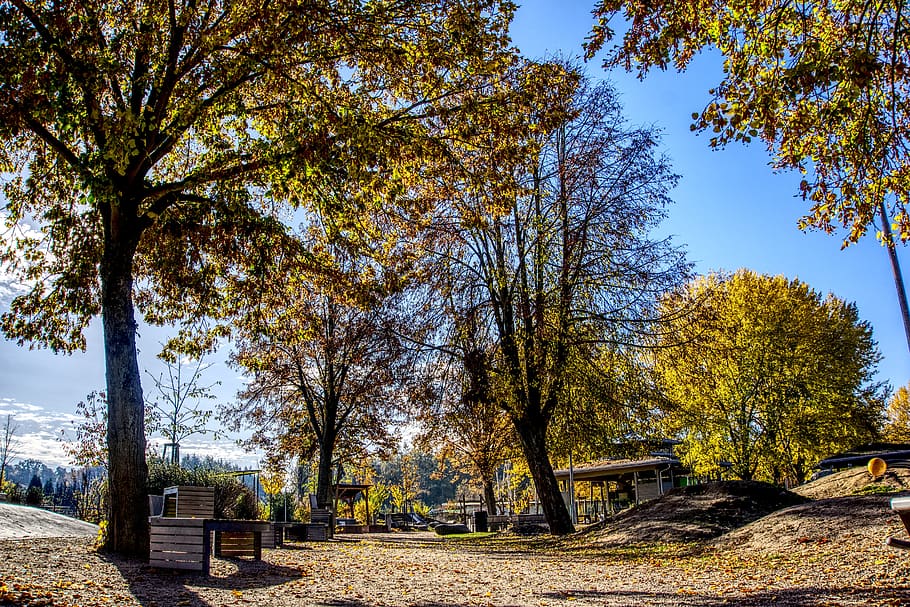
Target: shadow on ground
(780,597)
(149,584)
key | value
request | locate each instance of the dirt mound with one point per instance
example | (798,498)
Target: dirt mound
(860,522)
(856,481)
(696,513)
(18,522)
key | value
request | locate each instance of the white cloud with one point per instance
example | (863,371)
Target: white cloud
(42,446)
(31,418)
(39,434)
(11,283)
(8,405)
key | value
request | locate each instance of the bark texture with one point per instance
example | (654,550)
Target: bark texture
(127,469)
(532,435)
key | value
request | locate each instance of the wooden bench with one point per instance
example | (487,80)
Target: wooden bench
(185,543)
(189,502)
(530,519)
(901,505)
(177,534)
(498,522)
(177,543)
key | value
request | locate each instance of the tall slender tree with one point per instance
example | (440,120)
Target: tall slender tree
(330,369)
(565,259)
(177,412)
(155,144)
(8,445)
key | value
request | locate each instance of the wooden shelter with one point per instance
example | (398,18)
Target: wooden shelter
(615,484)
(347,493)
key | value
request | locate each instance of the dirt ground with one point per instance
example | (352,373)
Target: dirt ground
(853,481)
(824,552)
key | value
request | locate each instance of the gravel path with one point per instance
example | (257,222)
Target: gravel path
(823,553)
(413,571)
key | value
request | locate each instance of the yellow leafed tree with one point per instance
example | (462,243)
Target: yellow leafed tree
(898,428)
(762,376)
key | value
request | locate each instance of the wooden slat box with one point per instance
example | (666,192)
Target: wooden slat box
(177,543)
(234,543)
(317,532)
(189,502)
(274,538)
(241,543)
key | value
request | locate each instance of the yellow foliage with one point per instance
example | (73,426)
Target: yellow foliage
(898,428)
(763,377)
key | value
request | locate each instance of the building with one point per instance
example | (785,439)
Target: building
(604,487)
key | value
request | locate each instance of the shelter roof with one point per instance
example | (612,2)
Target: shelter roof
(611,468)
(860,456)
(349,491)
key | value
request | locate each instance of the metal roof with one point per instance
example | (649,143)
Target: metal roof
(606,469)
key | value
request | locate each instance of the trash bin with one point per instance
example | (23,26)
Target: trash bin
(480,521)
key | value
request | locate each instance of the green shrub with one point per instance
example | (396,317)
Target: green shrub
(874,489)
(13,491)
(34,496)
(233,499)
(246,506)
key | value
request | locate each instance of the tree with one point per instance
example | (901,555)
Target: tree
(765,376)
(89,447)
(898,414)
(565,260)
(273,479)
(177,415)
(34,494)
(155,144)
(823,84)
(405,492)
(465,426)
(8,445)
(329,364)
(609,407)
(470,424)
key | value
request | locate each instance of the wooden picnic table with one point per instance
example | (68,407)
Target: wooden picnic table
(221,526)
(186,543)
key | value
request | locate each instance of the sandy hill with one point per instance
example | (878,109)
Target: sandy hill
(19,522)
(847,509)
(857,481)
(696,513)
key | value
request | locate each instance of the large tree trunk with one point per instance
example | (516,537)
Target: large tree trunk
(532,435)
(324,480)
(489,495)
(127,470)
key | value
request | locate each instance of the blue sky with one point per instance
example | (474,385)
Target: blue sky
(731,211)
